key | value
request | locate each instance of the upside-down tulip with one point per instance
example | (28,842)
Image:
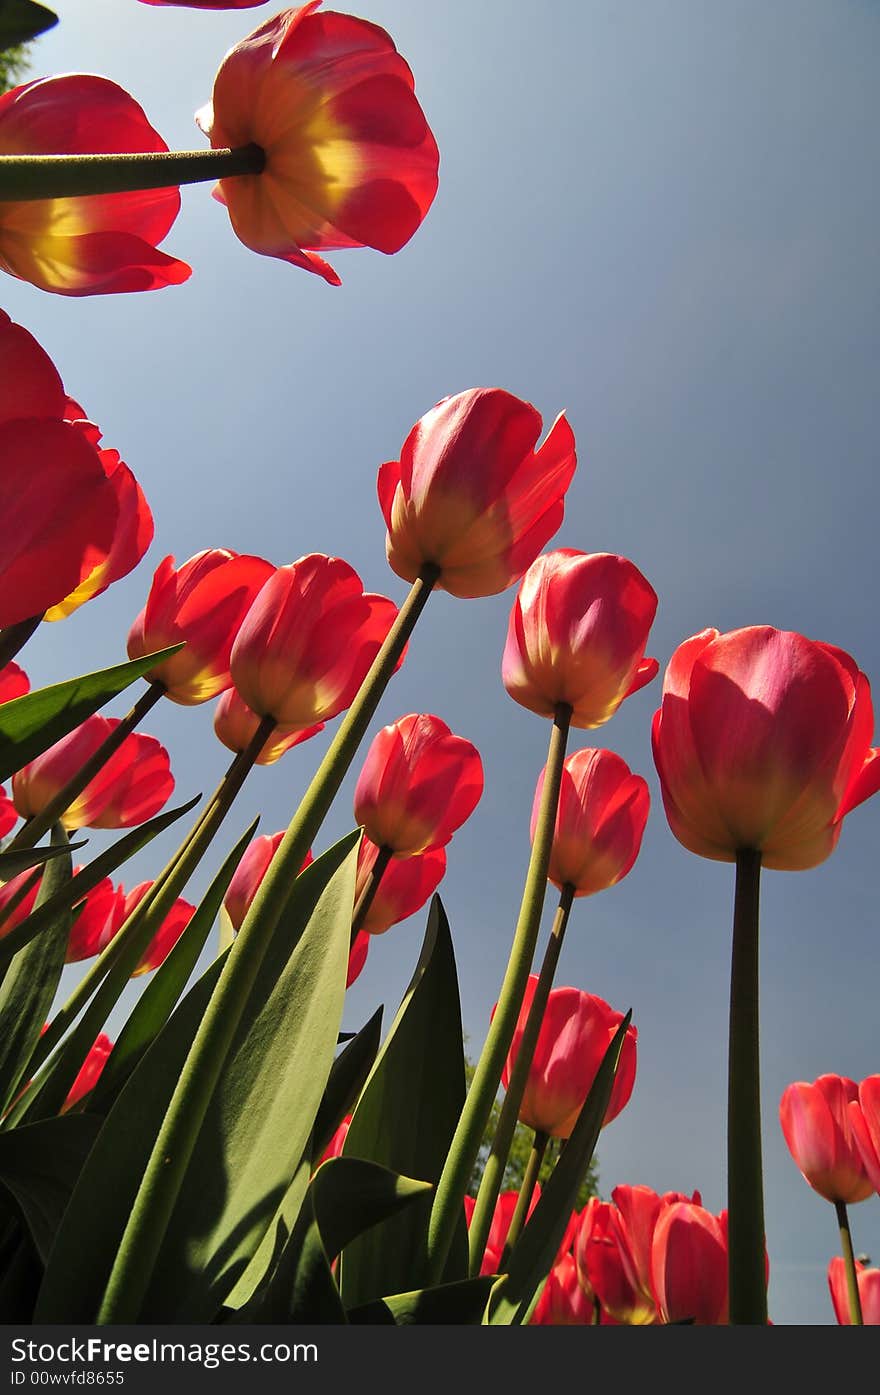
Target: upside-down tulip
(868,1281)
(133,785)
(689,1265)
(472,495)
(577,635)
(101,915)
(576,1031)
(405,886)
(202,603)
(349,159)
(173,925)
(600,820)
(308,641)
(94,244)
(236,726)
(249,874)
(818,1128)
(864,1115)
(89,1072)
(418,784)
(763,741)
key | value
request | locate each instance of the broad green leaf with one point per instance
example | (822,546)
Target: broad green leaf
(264,1259)
(13,863)
(21,21)
(405,1119)
(39,1167)
(31,724)
(32,979)
(515,1293)
(350,1070)
(459,1303)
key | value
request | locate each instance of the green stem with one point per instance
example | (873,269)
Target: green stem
(745,1192)
(25,177)
(15,637)
(523,1201)
(33,830)
(449,1197)
(165,1171)
(852,1281)
(368,895)
(493,1173)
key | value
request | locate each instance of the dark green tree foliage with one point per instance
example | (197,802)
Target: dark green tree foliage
(13,63)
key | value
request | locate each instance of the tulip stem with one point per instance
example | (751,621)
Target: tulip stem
(25,177)
(852,1281)
(493,1173)
(745,1193)
(33,830)
(368,895)
(15,637)
(465,1147)
(524,1200)
(153,1207)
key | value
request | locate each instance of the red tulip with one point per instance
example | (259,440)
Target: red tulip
(418,784)
(349,159)
(209,4)
(563,1303)
(8,815)
(236,726)
(763,741)
(357,957)
(14,683)
(613,1251)
(576,1031)
(818,1129)
(577,635)
(203,603)
(405,886)
(864,1118)
(10,889)
(249,874)
(89,1072)
(471,494)
(601,817)
(308,641)
(102,913)
(169,932)
(868,1281)
(98,243)
(498,1230)
(334,1147)
(689,1265)
(133,785)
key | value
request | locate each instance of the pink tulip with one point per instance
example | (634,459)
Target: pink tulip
(689,1265)
(249,875)
(600,820)
(868,1281)
(864,1118)
(818,1129)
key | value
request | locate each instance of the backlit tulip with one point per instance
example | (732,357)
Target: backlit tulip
(95,244)
(613,1250)
(357,957)
(406,885)
(818,1129)
(169,932)
(763,741)
(133,785)
(600,820)
(90,1072)
(498,1231)
(334,1147)
(418,784)
(249,874)
(349,159)
(8,814)
(14,683)
(101,915)
(203,603)
(8,892)
(868,1281)
(308,641)
(576,1031)
(236,726)
(689,1265)
(864,1117)
(563,1303)
(577,635)
(472,495)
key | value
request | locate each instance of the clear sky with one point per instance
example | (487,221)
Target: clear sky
(663,218)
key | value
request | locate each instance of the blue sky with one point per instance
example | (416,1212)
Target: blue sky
(663,218)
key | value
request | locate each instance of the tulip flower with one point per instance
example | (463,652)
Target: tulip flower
(8,814)
(208,4)
(406,885)
(601,817)
(418,784)
(249,874)
(308,641)
(689,1265)
(357,957)
(864,1117)
(471,495)
(89,1072)
(818,1128)
(14,682)
(169,932)
(613,1250)
(133,785)
(349,159)
(577,635)
(334,1147)
(576,1031)
(102,913)
(90,245)
(9,891)
(563,1303)
(869,1293)
(498,1231)
(203,603)
(763,741)
(236,726)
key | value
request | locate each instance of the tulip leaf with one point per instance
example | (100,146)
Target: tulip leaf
(31,981)
(346,1080)
(460,1303)
(31,724)
(14,863)
(513,1298)
(264,1259)
(405,1119)
(39,1166)
(23,20)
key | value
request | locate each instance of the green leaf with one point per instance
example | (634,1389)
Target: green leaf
(31,724)
(266,1256)
(32,979)
(514,1295)
(12,864)
(405,1119)
(346,1197)
(459,1303)
(39,1166)
(346,1080)
(23,20)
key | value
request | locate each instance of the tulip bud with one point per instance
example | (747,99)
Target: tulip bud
(818,1129)
(357,957)
(406,885)
(689,1265)
(249,874)
(89,1072)
(500,1227)
(169,932)
(100,915)
(600,820)
(236,726)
